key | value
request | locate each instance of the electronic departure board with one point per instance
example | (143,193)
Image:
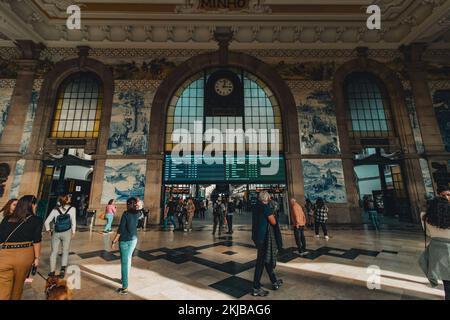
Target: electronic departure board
(233,170)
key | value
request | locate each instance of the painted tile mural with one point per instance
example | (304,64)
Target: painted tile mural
(317,123)
(5,102)
(130,120)
(324,178)
(426,177)
(15,185)
(123,179)
(410,105)
(29,122)
(441,102)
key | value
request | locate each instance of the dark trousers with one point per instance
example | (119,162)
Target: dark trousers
(218,220)
(300,240)
(447,289)
(324,227)
(230,223)
(260,264)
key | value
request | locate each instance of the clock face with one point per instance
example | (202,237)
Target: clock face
(223,87)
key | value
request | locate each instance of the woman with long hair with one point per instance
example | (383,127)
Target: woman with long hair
(435,260)
(9,207)
(110,211)
(127,238)
(20,247)
(64,228)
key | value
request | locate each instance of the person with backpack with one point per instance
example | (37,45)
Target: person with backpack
(64,228)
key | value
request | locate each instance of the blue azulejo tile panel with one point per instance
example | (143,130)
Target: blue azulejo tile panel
(18,173)
(317,123)
(5,102)
(28,127)
(130,119)
(410,105)
(123,179)
(441,103)
(324,178)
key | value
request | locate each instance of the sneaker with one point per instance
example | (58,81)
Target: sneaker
(327,237)
(51,274)
(122,291)
(105,232)
(259,292)
(317,236)
(304,253)
(62,273)
(277,285)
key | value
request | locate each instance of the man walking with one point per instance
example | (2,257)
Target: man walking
(264,236)
(299,222)
(230,212)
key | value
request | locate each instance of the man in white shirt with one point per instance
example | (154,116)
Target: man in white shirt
(64,228)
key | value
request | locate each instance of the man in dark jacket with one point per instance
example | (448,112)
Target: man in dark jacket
(265,237)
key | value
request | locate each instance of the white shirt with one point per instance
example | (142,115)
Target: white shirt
(54,214)
(435,232)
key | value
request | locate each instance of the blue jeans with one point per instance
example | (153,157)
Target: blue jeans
(109,217)
(126,253)
(373,216)
(170,219)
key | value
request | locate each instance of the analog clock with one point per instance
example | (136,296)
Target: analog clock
(223,87)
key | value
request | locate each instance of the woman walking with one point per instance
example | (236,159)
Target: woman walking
(127,238)
(64,228)
(20,247)
(110,211)
(9,207)
(435,260)
(321,217)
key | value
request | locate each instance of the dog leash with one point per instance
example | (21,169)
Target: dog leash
(41,276)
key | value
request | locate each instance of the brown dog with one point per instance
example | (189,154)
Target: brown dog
(57,289)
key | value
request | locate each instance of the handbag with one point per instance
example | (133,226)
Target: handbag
(102,216)
(12,232)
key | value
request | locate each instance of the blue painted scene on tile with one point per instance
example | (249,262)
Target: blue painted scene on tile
(317,123)
(123,179)
(129,127)
(441,103)
(324,178)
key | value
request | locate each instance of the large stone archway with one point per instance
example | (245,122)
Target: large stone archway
(39,142)
(194,65)
(403,142)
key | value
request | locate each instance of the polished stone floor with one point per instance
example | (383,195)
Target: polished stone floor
(196,265)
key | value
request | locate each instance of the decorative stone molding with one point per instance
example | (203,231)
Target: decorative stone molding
(7,83)
(297,86)
(439,85)
(194,6)
(37,84)
(143,85)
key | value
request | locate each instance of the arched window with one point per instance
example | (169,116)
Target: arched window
(368,107)
(261,109)
(78,107)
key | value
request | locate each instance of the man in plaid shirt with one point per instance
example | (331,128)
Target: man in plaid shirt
(320,217)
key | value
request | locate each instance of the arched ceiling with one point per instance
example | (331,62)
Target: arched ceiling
(263,24)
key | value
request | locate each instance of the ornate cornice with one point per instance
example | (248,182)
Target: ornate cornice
(142,85)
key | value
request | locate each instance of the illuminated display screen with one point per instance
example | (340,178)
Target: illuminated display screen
(232,170)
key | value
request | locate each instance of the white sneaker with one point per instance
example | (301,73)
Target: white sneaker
(327,237)
(317,236)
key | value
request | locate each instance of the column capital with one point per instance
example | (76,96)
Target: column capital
(29,49)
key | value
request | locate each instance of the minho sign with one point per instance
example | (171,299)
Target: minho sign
(223,4)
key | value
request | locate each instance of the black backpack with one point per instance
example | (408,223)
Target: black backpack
(63,221)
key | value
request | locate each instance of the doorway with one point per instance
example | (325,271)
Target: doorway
(380,176)
(70,172)
(244,197)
